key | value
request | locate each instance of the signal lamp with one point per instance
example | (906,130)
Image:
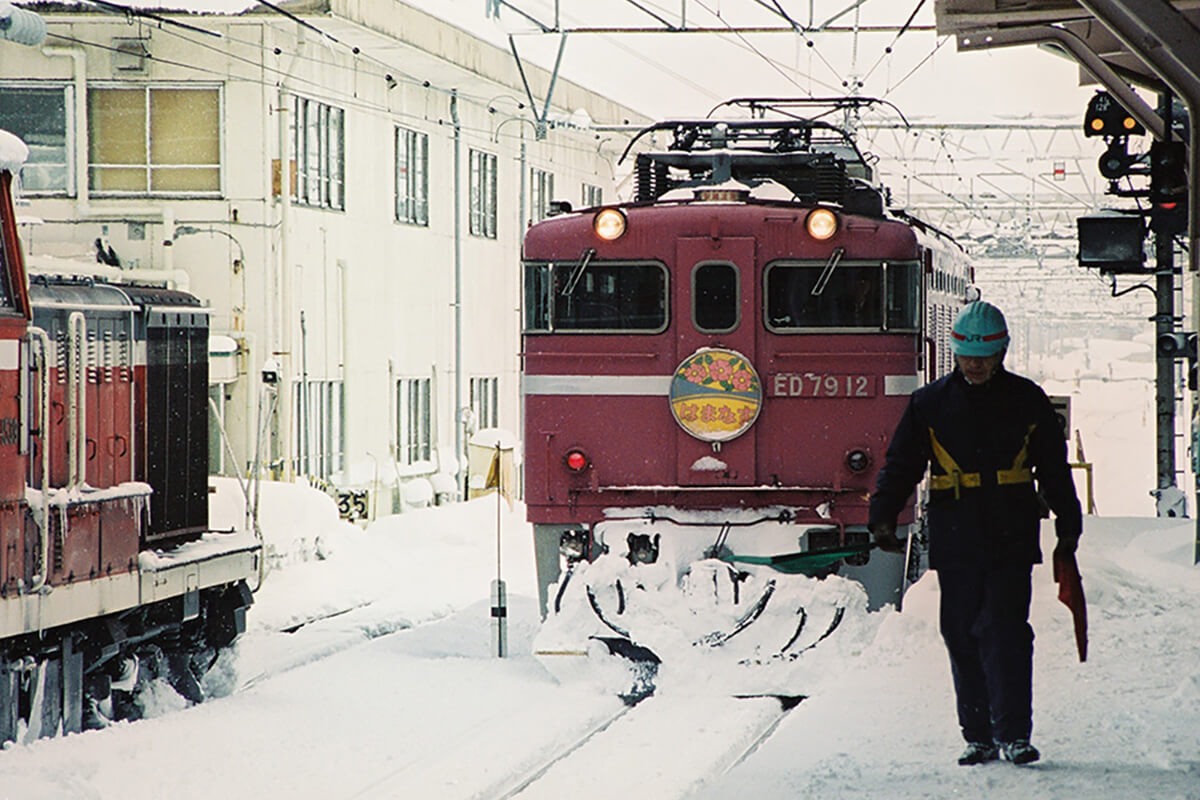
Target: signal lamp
(1106,117)
(576,461)
(1179,344)
(858,460)
(609,224)
(821,224)
(1168,188)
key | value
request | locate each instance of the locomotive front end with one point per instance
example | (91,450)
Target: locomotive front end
(710,376)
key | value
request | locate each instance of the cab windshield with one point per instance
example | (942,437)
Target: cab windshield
(588,296)
(842,295)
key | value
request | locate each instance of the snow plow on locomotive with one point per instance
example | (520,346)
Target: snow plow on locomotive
(711,374)
(110,576)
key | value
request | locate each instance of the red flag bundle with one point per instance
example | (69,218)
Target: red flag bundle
(1070,593)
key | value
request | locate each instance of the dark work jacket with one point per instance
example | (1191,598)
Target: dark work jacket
(998,435)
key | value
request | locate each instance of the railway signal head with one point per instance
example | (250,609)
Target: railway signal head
(1168,188)
(1178,344)
(1106,117)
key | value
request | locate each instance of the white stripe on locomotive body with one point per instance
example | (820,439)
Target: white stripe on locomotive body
(10,354)
(658,385)
(654,385)
(901,384)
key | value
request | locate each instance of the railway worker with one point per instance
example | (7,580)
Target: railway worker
(986,435)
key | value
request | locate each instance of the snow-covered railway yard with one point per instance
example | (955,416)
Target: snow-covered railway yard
(399,696)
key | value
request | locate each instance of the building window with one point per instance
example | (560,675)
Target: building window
(154,140)
(319,433)
(43,117)
(591,196)
(414,425)
(483,194)
(412,177)
(485,402)
(318,148)
(541,189)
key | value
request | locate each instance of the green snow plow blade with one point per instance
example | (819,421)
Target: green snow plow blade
(808,563)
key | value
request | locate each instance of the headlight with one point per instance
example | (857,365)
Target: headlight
(821,224)
(609,224)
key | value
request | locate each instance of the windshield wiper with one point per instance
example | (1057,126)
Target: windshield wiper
(577,271)
(835,258)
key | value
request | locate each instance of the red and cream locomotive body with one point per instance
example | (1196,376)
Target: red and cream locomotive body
(721,361)
(109,572)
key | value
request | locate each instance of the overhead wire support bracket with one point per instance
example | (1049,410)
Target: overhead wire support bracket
(645,10)
(540,121)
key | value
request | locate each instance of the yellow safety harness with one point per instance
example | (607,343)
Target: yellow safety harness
(954,478)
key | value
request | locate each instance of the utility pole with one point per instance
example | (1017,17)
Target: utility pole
(1164,381)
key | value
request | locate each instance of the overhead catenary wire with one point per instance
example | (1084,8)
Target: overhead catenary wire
(887,51)
(922,63)
(770,62)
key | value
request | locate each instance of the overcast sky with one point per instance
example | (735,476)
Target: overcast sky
(685,75)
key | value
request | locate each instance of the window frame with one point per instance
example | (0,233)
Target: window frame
(590,195)
(482,182)
(412,177)
(67,92)
(817,264)
(414,431)
(541,192)
(147,90)
(317,174)
(737,300)
(548,296)
(326,405)
(484,401)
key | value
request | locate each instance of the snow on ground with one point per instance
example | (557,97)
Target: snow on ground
(399,696)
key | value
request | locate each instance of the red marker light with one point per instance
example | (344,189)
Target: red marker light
(576,461)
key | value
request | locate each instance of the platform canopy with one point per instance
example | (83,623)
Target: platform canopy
(1153,44)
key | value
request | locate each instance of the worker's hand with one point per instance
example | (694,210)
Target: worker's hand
(1066,546)
(885,537)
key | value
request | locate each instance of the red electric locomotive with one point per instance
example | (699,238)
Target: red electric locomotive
(712,371)
(109,573)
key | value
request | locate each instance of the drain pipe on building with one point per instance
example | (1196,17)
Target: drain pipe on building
(459,418)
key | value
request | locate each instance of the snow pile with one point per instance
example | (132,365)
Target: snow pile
(13,152)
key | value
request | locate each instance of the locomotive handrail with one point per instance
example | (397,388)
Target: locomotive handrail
(38,580)
(576,354)
(755,488)
(76,399)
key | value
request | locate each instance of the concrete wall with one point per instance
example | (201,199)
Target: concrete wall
(377,295)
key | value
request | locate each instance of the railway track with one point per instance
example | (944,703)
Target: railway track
(331,632)
(629,754)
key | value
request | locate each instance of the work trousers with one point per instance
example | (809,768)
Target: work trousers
(985,625)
